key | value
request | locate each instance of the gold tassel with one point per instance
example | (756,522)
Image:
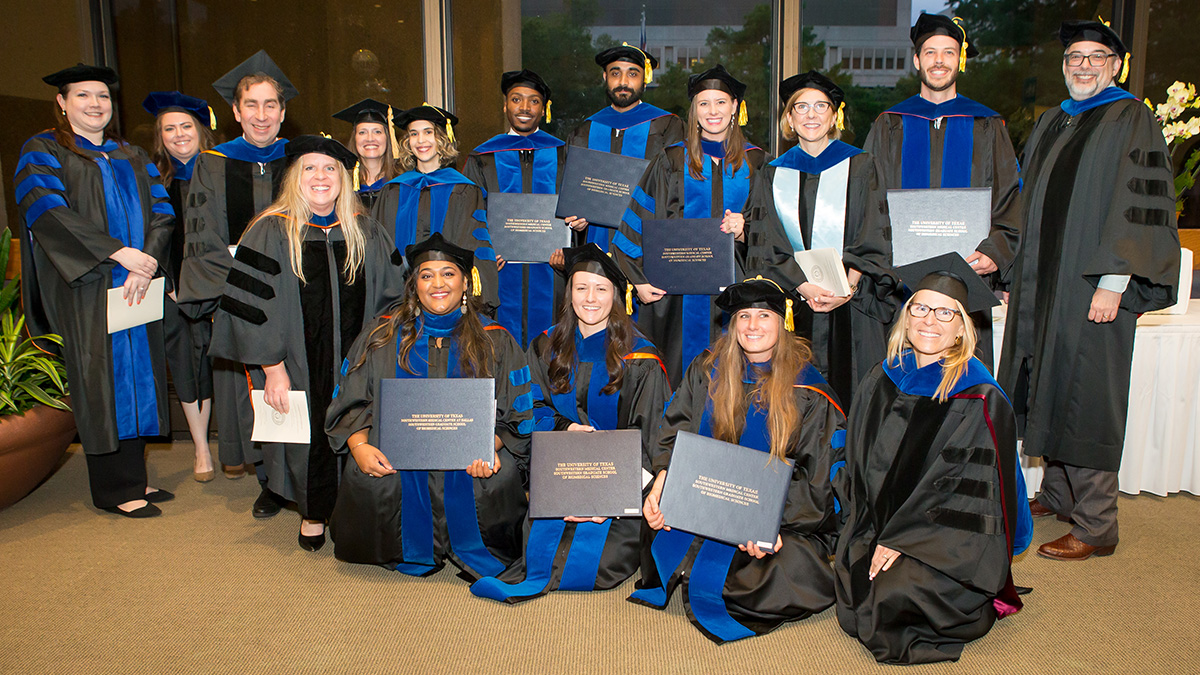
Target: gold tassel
(841,116)
(357,182)
(1101,20)
(962,52)
(324,135)
(212,119)
(392,133)
(548,111)
(1148,103)
(789,323)
(450,131)
(629,299)
(649,72)
(742,116)
(1124,69)
(476,287)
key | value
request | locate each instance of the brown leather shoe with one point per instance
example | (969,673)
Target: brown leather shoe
(233,472)
(1069,547)
(1038,510)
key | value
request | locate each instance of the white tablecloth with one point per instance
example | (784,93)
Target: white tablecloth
(1162,435)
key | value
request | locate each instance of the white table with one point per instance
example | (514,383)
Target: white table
(1162,434)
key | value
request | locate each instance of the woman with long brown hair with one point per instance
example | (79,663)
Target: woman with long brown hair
(591,371)
(414,521)
(308,274)
(96,218)
(757,388)
(705,176)
(371,140)
(183,129)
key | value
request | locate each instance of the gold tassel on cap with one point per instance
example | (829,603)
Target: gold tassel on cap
(1124,69)
(392,132)
(629,299)
(648,72)
(742,116)
(841,116)
(450,131)
(962,52)
(789,322)
(476,286)
(325,135)
(548,111)
(212,119)
(357,182)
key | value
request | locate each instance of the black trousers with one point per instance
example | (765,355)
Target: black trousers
(118,477)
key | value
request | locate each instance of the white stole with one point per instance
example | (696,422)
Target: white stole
(829,213)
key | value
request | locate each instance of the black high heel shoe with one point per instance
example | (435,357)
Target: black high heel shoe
(311,543)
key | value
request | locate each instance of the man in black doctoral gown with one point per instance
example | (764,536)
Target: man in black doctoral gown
(230,185)
(1100,246)
(942,139)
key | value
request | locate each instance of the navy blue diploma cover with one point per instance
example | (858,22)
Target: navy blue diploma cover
(688,256)
(580,473)
(724,492)
(437,424)
(523,227)
(597,186)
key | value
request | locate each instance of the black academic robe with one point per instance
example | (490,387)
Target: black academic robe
(267,315)
(1097,199)
(993,165)
(76,212)
(367,524)
(938,483)
(186,338)
(851,339)
(682,326)
(224,196)
(638,404)
(758,595)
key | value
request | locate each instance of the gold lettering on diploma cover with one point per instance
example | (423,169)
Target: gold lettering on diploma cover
(584,470)
(726,491)
(603,186)
(938,228)
(529,225)
(687,254)
(437,421)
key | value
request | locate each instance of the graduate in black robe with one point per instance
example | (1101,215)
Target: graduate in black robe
(432,196)
(942,139)
(373,141)
(231,184)
(524,160)
(628,126)
(1100,246)
(824,193)
(293,332)
(707,176)
(183,127)
(934,502)
(733,593)
(96,218)
(585,554)
(414,521)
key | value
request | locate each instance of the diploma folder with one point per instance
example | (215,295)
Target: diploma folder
(597,186)
(724,492)
(123,316)
(586,474)
(928,223)
(688,256)
(272,426)
(523,228)
(437,424)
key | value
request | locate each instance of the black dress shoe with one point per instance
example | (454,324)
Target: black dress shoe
(267,504)
(147,511)
(313,543)
(159,496)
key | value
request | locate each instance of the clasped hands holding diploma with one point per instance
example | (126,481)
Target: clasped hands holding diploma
(734,223)
(556,259)
(656,520)
(141,267)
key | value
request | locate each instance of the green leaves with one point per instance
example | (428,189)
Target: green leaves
(10,290)
(28,376)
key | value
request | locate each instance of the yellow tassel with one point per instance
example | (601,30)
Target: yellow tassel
(357,183)
(742,116)
(392,133)
(1101,20)
(212,119)
(324,135)
(962,52)
(450,131)
(649,72)
(476,287)
(548,111)
(629,299)
(841,115)
(1148,103)
(1124,70)
(789,323)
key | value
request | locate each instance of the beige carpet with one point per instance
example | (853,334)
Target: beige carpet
(207,588)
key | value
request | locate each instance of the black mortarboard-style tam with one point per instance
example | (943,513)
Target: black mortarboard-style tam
(158,102)
(718,78)
(429,113)
(950,275)
(260,63)
(524,78)
(758,292)
(366,110)
(81,73)
(1071,32)
(814,80)
(435,247)
(928,25)
(308,144)
(629,53)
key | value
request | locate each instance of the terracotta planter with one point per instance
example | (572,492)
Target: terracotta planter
(30,447)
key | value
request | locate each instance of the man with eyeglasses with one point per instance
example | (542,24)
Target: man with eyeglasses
(942,139)
(1099,247)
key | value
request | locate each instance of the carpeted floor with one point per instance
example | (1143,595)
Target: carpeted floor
(207,588)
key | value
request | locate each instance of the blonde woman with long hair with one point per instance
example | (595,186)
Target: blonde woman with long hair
(757,388)
(935,501)
(308,274)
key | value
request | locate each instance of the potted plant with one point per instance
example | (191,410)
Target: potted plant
(36,424)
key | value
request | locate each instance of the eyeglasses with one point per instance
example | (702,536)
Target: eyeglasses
(1075,59)
(944,314)
(803,107)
